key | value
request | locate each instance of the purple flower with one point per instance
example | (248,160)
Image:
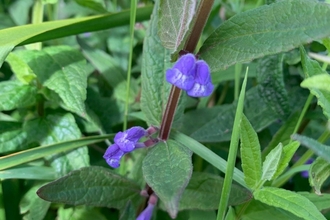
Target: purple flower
(191,75)
(125,142)
(305,173)
(146,213)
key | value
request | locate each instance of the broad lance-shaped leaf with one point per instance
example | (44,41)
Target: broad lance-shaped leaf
(167,169)
(155,89)
(272,87)
(319,172)
(265,31)
(93,186)
(62,70)
(289,201)
(318,148)
(14,95)
(206,190)
(250,154)
(174,21)
(271,163)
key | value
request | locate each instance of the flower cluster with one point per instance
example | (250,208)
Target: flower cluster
(126,142)
(191,75)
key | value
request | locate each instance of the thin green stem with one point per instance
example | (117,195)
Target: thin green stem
(238,70)
(232,154)
(129,68)
(37,18)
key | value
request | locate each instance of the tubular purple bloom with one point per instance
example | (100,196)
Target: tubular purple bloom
(147,213)
(128,139)
(113,155)
(182,73)
(203,85)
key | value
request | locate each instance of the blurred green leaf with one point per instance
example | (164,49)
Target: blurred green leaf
(290,201)
(250,154)
(271,163)
(95,5)
(174,20)
(94,186)
(272,87)
(12,136)
(14,94)
(80,213)
(320,201)
(249,35)
(30,172)
(167,169)
(43,151)
(319,172)
(206,190)
(21,70)
(318,148)
(128,213)
(320,81)
(32,207)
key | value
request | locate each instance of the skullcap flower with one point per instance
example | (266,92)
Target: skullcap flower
(191,75)
(146,213)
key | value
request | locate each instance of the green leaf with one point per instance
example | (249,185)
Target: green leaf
(155,89)
(128,213)
(93,186)
(208,155)
(260,211)
(21,70)
(174,21)
(250,154)
(93,4)
(217,122)
(320,201)
(320,81)
(32,206)
(272,87)
(16,95)
(43,151)
(26,34)
(312,68)
(288,151)
(318,148)
(319,172)
(271,163)
(167,169)
(206,189)
(79,213)
(249,35)
(12,136)
(290,201)
(31,172)
(54,129)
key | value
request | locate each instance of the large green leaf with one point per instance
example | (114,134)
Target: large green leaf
(319,172)
(14,94)
(318,148)
(155,89)
(174,21)
(94,186)
(312,68)
(271,163)
(272,88)
(264,31)
(26,34)
(290,201)
(250,154)
(206,190)
(167,169)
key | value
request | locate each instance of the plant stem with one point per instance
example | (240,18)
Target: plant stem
(202,15)
(131,30)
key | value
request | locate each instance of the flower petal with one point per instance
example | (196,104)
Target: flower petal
(146,213)
(203,85)
(135,133)
(113,155)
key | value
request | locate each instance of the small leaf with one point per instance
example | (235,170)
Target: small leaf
(174,21)
(319,172)
(93,4)
(288,151)
(21,70)
(250,34)
(272,87)
(318,148)
(250,154)
(206,190)
(320,201)
(167,169)
(289,201)
(16,95)
(12,137)
(320,81)
(271,163)
(94,186)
